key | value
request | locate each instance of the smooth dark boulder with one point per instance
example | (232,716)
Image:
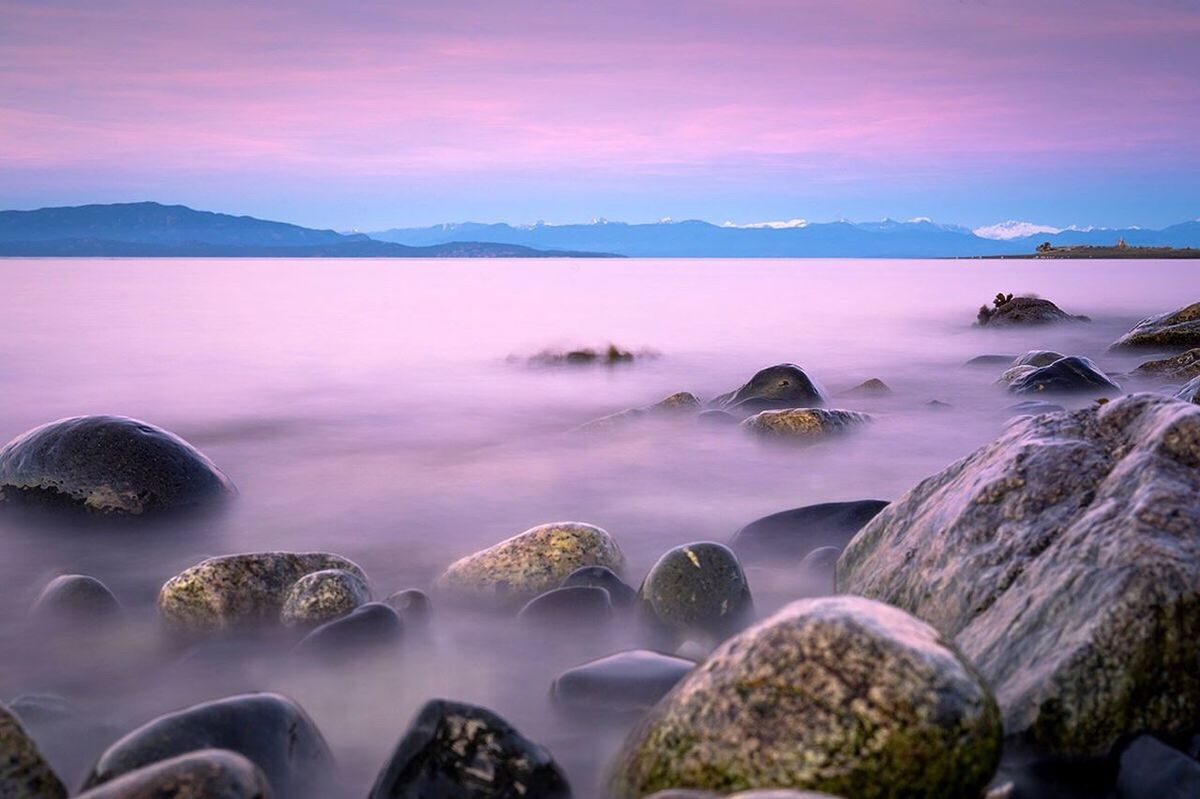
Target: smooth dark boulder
(990,360)
(413,606)
(323,596)
(696,590)
(1064,560)
(1070,375)
(204,774)
(270,730)
(621,593)
(621,684)
(564,608)
(374,625)
(453,750)
(1037,358)
(792,534)
(1185,366)
(1177,330)
(109,465)
(76,599)
(1010,311)
(1149,769)
(24,773)
(782,386)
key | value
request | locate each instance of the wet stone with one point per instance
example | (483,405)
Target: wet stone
(1023,312)
(372,626)
(792,534)
(24,773)
(76,599)
(562,608)
(716,418)
(697,589)
(1185,366)
(785,385)
(204,774)
(622,684)
(1190,391)
(1149,769)
(412,606)
(1071,375)
(868,388)
(1176,330)
(323,596)
(621,593)
(804,424)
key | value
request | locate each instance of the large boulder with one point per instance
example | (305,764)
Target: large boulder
(206,774)
(323,596)
(1013,311)
(1070,375)
(803,424)
(838,694)
(696,590)
(108,464)
(1184,366)
(519,568)
(24,773)
(1064,559)
(792,534)
(782,386)
(270,730)
(453,750)
(240,590)
(1177,330)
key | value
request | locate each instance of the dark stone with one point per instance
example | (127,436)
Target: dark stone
(821,561)
(782,386)
(369,626)
(696,589)
(937,405)
(990,360)
(1178,330)
(621,594)
(76,599)
(682,403)
(563,607)
(1070,375)
(453,750)
(1152,770)
(24,773)
(270,730)
(792,534)
(717,418)
(1024,311)
(1185,366)
(1031,774)
(108,464)
(1035,407)
(204,774)
(1190,392)
(626,683)
(1037,358)
(412,606)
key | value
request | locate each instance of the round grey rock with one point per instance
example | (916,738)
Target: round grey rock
(697,589)
(323,596)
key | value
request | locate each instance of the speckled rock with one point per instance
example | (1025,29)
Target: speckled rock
(782,386)
(1037,358)
(1023,312)
(453,750)
(1177,330)
(838,694)
(205,774)
(520,568)
(1184,366)
(623,684)
(696,590)
(108,464)
(804,424)
(1064,558)
(1190,391)
(682,403)
(24,773)
(412,606)
(240,590)
(76,599)
(791,534)
(1070,375)
(868,388)
(270,730)
(579,608)
(372,626)
(323,596)
(621,593)
(1014,373)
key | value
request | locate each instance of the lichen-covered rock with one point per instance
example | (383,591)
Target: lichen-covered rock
(1190,391)
(792,534)
(239,590)
(782,386)
(76,599)
(1070,375)
(804,424)
(1023,312)
(519,568)
(205,774)
(108,464)
(1184,366)
(270,730)
(1178,329)
(453,750)
(838,694)
(1064,559)
(323,596)
(697,589)
(623,684)
(24,773)
(679,404)
(372,626)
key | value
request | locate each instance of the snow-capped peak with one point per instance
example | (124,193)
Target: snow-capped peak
(1012,229)
(776,225)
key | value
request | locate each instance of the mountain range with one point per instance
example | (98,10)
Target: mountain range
(149,229)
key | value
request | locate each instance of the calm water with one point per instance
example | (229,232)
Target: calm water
(370,408)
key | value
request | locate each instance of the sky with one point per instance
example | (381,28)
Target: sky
(368,115)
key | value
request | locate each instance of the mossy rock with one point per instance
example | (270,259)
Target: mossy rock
(1177,330)
(804,424)
(24,773)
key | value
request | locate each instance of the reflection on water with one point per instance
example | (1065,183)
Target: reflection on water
(371,409)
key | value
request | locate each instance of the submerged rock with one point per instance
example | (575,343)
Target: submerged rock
(612,354)
(374,625)
(412,606)
(792,534)
(323,596)
(682,403)
(1064,558)
(1185,366)
(76,599)
(782,386)
(564,608)
(1149,769)
(1179,329)
(1190,392)
(989,360)
(1070,375)
(1010,311)
(868,388)
(108,464)
(694,590)
(821,564)
(24,773)
(804,424)
(717,418)
(1037,358)
(620,592)
(205,774)
(520,568)
(1035,407)
(270,730)
(625,683)
(453,750)
(839,694)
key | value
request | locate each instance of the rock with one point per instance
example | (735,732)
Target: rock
(33,709)
(373,625)
(717,418)
(1014,373)
(1185,366)
(792,534)
(323,596)
(412,606)
(520,568)
(621,593)
(612,354)
(821,562)
(565,608)
(1190,392)
(1071,375)
(1035,407)
(240,590)
(868,388)
(782,386)
(937,405)
(990,360)
(24,773)
(625,683)
(769,793)
(678,404)
(453,750)
(76,599)
(837,694)
(1178,330)
(696,589)
(1064,558)
(1152,770)
(270,730)
(1037,358)
(804,424)
(1023,312)
(204,774)
(108,464)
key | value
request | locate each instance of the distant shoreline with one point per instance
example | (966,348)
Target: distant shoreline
(1088,251)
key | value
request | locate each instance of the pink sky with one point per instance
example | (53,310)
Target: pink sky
(378,113)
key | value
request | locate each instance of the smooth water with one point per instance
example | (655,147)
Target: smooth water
(376,409)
